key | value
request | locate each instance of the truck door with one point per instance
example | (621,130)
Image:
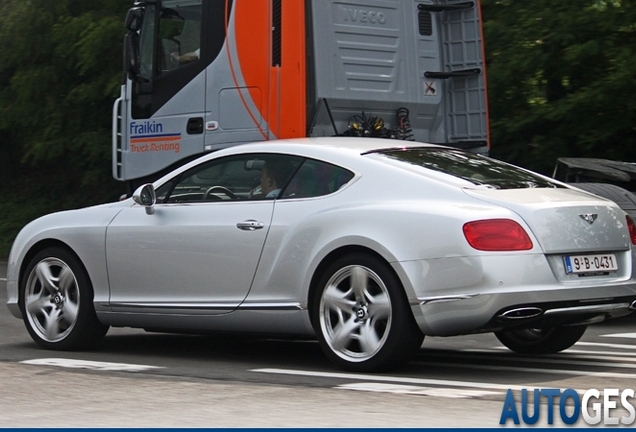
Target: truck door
(159,116)
(238,84)
(206,70)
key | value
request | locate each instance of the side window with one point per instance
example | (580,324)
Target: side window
(179,34)
(315,178)
(233,178)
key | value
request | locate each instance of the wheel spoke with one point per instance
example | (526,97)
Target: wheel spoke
(52,324)
(66,282)
(336,300)
(379,307)
(369,339)
(343,334)
(37,303)
(69,310)
(360,284)
(45,277)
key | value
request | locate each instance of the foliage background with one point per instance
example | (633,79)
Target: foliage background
(561,82)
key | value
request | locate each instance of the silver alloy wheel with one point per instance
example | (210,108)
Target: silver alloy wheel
(355,313)
(52,299)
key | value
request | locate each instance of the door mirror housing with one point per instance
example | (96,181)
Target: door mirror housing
(134,18)
(146,196)
(132,59)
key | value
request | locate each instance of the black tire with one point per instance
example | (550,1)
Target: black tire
(541,341)
(362,317)
(56,300)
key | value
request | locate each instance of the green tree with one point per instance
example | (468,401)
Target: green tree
(59,74)
(560,77)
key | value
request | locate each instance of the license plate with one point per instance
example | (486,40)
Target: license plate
(590,263)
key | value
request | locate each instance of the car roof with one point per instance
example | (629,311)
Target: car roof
(331,149)
(353,144)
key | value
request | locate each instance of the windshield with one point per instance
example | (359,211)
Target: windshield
(477,169)
(170,40)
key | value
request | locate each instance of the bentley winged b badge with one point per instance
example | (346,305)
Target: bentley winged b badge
(589,217)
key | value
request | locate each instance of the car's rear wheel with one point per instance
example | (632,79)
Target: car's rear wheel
(541,340)
(57,302)
(362,317)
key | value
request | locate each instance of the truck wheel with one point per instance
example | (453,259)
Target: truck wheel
(362,317)
(541,341)
(57,302)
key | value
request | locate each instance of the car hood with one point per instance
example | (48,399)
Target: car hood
(563,220)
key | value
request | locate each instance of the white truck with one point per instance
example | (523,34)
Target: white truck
(201,75)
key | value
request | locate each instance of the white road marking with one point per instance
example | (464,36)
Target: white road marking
(87,364)
(549,371)
(621,335)
(450,393)
(601,355)
(565,357)
(391,379)
(607,345)
(3,279)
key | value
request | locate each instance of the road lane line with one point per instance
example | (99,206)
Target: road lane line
(567,352)
(545,371)
(444,392)
(602,355)
(607,345)
(87,364)
(390,379)
(571,356)
(620,335)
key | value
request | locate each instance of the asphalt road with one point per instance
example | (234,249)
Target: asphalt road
(138,379)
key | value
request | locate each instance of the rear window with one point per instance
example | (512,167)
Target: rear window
(477,169)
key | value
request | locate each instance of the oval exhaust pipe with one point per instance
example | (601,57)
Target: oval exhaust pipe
(521,313)
(633,305)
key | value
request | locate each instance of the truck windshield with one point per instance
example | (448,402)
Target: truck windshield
(477,169)
(146,44)
(172,39)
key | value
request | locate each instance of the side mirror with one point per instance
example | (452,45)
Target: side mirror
(132,59)
(145,196)
(134,18)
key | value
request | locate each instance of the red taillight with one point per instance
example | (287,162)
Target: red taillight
(497,235)
(631,226)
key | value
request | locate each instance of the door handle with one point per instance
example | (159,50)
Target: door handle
(195,126)
(250,225)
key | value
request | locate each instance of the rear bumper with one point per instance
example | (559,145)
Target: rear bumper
(453,316)
(460,295)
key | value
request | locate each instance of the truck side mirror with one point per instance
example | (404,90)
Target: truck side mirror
(131,55)
(134,18)
(132,59)
(145,196)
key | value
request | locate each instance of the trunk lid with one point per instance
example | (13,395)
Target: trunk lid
(564,220)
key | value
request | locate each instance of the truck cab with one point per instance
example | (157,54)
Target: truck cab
(201,75)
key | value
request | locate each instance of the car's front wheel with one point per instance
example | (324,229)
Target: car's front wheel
(362,317)
(57,302)
(541,340)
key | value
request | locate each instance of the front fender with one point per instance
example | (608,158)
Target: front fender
(82,231)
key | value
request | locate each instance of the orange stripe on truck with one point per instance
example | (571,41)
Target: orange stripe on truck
(282,89)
